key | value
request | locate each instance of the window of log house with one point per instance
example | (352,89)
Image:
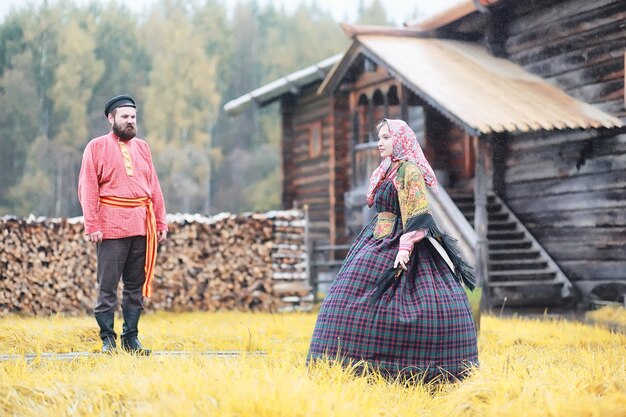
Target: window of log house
(315,140)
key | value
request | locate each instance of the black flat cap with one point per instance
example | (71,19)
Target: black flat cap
(118,101)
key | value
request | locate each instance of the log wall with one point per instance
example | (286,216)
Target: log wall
(576,44)
(253,263)
(306,175)
(570,188)
(340,167)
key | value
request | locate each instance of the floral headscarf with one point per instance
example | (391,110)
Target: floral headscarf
(405,148)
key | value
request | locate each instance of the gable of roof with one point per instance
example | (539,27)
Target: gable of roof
(450,12)
(474,89)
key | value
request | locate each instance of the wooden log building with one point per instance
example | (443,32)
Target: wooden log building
(519,106)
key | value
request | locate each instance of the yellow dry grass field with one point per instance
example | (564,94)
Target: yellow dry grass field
(528,368)
(611,316)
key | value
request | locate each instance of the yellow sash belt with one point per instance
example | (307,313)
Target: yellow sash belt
(151,233)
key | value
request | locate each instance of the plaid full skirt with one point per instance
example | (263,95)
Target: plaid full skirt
(421,326)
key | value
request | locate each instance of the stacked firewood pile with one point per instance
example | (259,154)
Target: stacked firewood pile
(45,267)
(253,262)
(289,265)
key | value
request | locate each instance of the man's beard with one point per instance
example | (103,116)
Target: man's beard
(125,131)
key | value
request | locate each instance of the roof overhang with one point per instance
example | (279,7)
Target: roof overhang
(480,92)
(450,12)
(289,84)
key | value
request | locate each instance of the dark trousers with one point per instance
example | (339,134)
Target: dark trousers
(123,258)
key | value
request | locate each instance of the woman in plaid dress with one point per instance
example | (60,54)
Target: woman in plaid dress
(398,304)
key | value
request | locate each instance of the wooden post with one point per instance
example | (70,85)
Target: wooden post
(404,104)
(481,220)
(309,247)
(356,132)
(332,194)
(369,119)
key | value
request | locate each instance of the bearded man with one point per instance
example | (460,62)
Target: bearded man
(124,214)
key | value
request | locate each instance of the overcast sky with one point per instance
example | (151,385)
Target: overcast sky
(398,10)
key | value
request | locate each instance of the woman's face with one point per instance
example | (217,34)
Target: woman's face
(385,141)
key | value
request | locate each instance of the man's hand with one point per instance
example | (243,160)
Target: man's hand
(402,259)
(161,235)
(95,237)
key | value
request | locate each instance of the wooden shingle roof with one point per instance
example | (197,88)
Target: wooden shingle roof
(480,92)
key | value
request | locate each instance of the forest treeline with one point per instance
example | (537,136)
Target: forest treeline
(181,60)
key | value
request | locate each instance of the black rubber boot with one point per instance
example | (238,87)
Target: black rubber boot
(130,341)
(107,334)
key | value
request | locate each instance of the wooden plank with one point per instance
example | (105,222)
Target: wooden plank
(308,96)
(529,141)
(567,152)
(571,26)
(318,222)
(481,250)
(342,161)
(591,236)
(542,150)
(303,180)
(541,16)
(318,235)
(561,169)
(577,55)
(308,113)
(308,165)
(331,178)
(305,116)
(302,157)
(574,201)
(599,92)
(568,250)
(595,270)
(308,116)
(554,219)
(564,186)
(369,82)
(302,129)
(550,48)
(318,217)
(318,197)
(614,107)
(301,146)
(597,74)
(520,9)
(301,150)
(287,138)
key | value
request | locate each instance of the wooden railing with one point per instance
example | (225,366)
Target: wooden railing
(323,259)
(453,222)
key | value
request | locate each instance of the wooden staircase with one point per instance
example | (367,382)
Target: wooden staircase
(521,273)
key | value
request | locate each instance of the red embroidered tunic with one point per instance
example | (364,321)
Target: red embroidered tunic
(126,171)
